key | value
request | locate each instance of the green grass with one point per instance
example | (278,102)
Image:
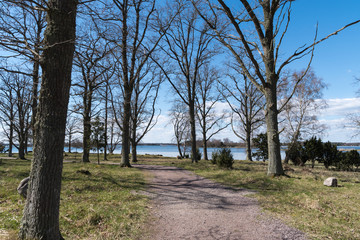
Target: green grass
(300,200)
(103,205)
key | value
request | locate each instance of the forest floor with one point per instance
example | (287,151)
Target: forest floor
(187,206)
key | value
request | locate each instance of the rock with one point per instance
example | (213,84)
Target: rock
(331,182)
(86,172)
(23,186)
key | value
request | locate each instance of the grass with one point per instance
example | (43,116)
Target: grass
(300,200)
(103,205)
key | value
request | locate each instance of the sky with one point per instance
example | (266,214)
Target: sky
(336,61)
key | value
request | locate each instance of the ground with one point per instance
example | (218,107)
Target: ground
(187,206)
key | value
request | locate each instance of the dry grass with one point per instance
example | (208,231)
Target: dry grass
(103,205)
(300,199)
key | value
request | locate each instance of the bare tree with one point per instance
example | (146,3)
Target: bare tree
(41,212)
(210,120)
(181,125)
(72,127)
(300,114)
(188,46)
(134,28)
(21,124)
(15,96)
(247,104)
(259,28)
(21,32)
(7,108)
(90,64)
(143,109)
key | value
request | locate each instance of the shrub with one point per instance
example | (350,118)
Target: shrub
(294,154)
(198,155)
(262,147)
(313,150)
(2,147)
(223,158)
(330,154)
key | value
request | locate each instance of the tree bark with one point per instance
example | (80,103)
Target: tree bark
(275,166)
(86,139)
(248,144)
(41,213)
(125,150)
(193,131)
(87,125)
(205,146)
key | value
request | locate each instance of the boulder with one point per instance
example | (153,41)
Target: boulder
(23,186)
(331,182)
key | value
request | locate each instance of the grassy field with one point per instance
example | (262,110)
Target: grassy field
(102,205)
(88,202)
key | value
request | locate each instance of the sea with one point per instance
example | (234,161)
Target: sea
(169,150)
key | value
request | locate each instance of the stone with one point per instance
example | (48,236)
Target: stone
(331,182)
(23,187)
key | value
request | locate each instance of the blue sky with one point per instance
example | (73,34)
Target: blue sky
(336,61)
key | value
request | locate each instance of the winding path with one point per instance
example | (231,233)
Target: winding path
(187,206)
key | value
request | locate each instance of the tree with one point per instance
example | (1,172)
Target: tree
(41,213)
(259,28)
(210,121)
(134,29)
(300,120)
(188,46)
(247,104)
(21,124)
(7,108)
(22,27)
(72,127)
(143,109)
(181,126)
(97,136)
(15,96)
(90,62)
(261,143)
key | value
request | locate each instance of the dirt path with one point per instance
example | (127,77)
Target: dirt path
(187,206)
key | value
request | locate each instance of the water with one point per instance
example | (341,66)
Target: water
(172,151)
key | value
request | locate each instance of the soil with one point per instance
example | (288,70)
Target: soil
(187,206)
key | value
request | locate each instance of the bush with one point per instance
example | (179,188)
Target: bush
(198,155)
(330,154)
(223,158)
(313,150)
(262,144)
(2,147)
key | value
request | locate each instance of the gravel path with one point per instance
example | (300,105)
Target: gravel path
(187,206)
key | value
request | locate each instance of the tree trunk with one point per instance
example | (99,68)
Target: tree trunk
(106,123)
(41,213)
(125,150)
(275,166)
(134,151)
(21,149)
(205,147)
(87,126)
(86,140)
(34,91)
(69,146)
(179,149)
(11,136)
(248,146)
(193,131)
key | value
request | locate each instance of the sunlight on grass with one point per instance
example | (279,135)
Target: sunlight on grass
(102,205)
(300,200)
